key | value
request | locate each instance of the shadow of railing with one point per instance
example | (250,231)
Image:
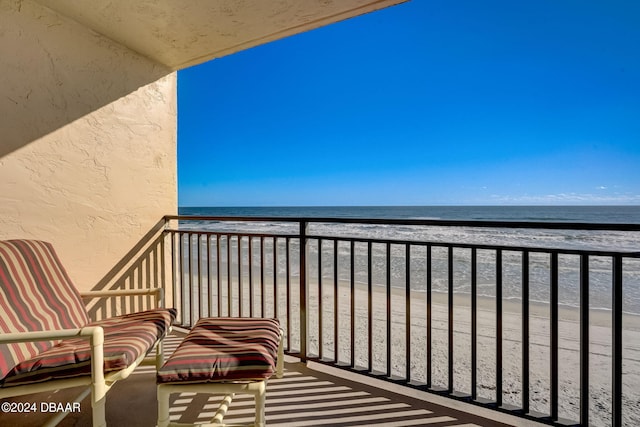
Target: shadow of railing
(308,397)
(143,267)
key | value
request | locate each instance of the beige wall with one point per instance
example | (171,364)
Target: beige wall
(87,140)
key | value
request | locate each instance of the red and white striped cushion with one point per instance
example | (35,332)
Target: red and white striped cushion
(225,350)
(126,338)
(36,294)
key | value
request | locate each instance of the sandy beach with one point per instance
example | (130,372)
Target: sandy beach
(569,362)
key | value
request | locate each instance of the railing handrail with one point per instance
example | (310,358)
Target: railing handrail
(542,225)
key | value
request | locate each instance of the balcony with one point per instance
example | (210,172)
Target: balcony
(500,315)
(408,322)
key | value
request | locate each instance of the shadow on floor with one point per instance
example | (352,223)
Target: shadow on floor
(303,397)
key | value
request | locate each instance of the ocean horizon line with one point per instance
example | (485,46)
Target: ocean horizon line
(589,205)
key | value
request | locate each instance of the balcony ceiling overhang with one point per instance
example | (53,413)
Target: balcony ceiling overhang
(179,33)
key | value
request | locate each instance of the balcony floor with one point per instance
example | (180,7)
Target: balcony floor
(307,395)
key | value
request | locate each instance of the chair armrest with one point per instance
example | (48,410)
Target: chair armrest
(111,293)
(95,335)
(90,332)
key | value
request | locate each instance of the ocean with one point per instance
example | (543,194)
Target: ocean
(600,267)
(594,214)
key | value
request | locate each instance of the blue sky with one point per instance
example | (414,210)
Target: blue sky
(439,102)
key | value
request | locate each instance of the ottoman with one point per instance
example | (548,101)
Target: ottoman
(223,355)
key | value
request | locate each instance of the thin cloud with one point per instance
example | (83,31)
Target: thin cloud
(570,198)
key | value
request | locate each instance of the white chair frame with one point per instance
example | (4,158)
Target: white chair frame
(98,384)
(257,388)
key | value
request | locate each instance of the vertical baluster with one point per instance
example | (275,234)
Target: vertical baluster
(129,283)
(554,336)
(525,332)
(194,256)
(190,281)
(140,286)
(135,283)
(407,311)
(320,308)
(499,327)
(229,274)
(178,274)
(199,264)
(276,306)
(335,300)
(148,260)
(370,306)
(584,339)
(450,315)
(288,285)
(263,295)
(389,310)
(474,324)
(251,292)
(353,304)
(179,291)
(209,284)
(617,342)
(155,272)
(429,314)
(240,284)
(304,249)
(174,288)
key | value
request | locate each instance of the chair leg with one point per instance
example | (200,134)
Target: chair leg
(159,355)
(280,361)
(99,413)
(260,393)
(163,407)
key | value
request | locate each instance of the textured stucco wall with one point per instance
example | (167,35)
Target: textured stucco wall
(87,139)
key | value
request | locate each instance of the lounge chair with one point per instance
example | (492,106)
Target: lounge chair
(48,342)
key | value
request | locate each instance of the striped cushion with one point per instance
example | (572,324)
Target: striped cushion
(225,349)
(35,294)
(126,338)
